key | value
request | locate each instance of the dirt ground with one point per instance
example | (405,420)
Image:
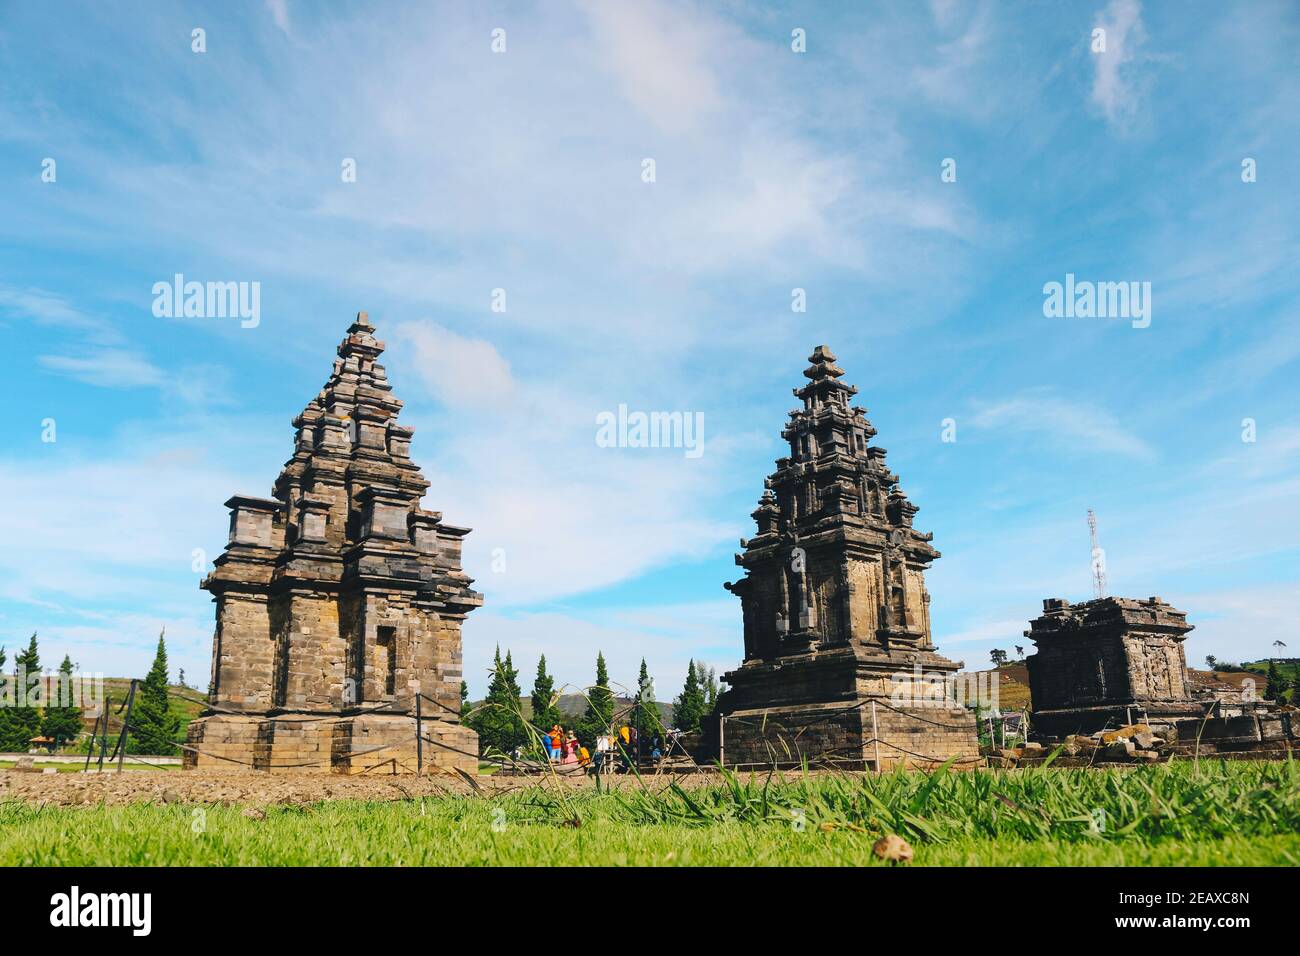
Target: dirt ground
(264,789)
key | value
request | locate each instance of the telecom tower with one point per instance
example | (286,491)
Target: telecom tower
(1098,559)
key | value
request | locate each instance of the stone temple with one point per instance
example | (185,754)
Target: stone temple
(1113,661)
(836,612)
(1108,662)
(339,599)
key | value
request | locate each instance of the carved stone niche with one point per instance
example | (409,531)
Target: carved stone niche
(252,521)
(371,429)
(384,514)
(424,531)
(399,440)
(313,517)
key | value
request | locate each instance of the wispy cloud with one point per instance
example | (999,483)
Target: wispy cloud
(57,311)
(1117,86)
(280,14)
(111,368)
(457,370)
(1078,426)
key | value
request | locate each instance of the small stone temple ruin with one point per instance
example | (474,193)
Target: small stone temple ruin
(1113,662)
(339,599)
(839,663)
(1106,662)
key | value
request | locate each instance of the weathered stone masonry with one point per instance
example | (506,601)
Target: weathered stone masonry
(1109,662)
(338,596)
(836,612)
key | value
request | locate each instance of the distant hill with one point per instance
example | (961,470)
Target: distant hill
(116,690)
(572,707)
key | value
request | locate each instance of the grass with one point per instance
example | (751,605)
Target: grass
(1244,814)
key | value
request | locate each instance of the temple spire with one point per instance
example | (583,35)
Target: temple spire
(823,365)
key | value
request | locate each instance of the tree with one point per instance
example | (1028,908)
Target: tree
(646,717)
(1274,688)
(545,713)
(999,656)
(154,726)
(692,705)
(1211,661)
(712,689)
(499,724)
(1020,652)
(599,714)
(22,721)
(62,715)
(6,702)
(464,698)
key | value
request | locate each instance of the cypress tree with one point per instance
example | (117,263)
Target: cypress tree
(600,707)
(157,726)
(6,703)
(1273,689)
(62,715)
(514,697)
(545,713)
(692,705)
(24,719)
(474,721)
(711,690)
(498,722)
(646,717)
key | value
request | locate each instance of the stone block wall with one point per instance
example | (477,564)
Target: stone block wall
(921,737)
(363,743)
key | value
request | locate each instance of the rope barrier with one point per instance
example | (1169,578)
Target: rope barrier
(360,712)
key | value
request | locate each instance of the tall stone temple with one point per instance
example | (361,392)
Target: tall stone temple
(836,612)
(339,599)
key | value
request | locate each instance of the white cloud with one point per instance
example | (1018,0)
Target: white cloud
(663,60)
(280,14)
(55,310)
(1117,87)
(1241,623)
(110,368)
(1082,427)
(458,371)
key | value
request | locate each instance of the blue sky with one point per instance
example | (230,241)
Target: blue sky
(774,170)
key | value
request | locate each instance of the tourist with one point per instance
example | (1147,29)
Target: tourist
(556,737)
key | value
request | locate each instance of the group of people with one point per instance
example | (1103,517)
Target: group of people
(563,747)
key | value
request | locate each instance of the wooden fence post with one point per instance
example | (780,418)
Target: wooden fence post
(875,737)
(103,742)
(419,738)
(126,725)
